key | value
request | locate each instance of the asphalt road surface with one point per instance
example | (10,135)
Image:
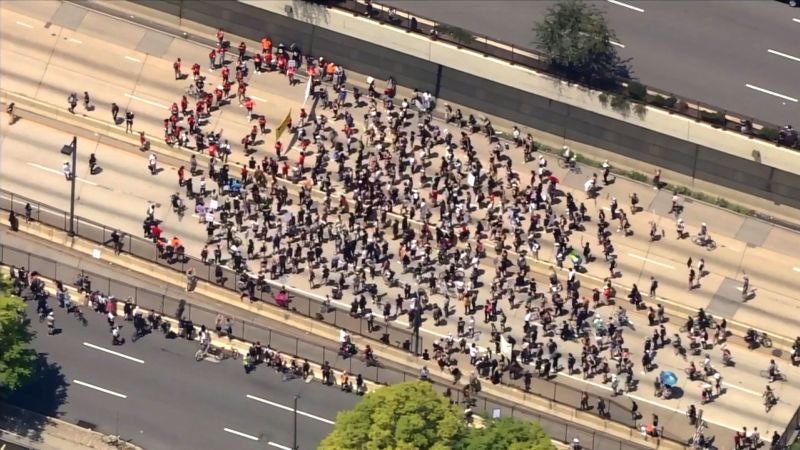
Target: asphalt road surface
(154,392)
(728,54)
(118,197)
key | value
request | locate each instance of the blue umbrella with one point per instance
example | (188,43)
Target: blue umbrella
(668,378)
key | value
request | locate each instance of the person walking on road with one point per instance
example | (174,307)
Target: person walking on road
(114,112)
(152,164)
(129,121)
(745,286)
(72,100)
(66,168)
(653,286)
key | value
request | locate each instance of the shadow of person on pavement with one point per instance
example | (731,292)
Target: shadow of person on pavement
(41,397)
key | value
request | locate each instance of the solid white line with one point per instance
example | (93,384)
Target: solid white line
(146,101)
(787,56)
(130,58)
(644,400)
(282,447)
(75,41)
(111,352)
(739,388)
(651,261)
(23,24)
(796,269)
(258,98)
(239,433)
(47,169)
(625,5)
(97,388)
(617,44)
(286,408)
(766,91)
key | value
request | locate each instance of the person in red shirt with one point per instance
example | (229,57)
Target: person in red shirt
(242,49)
(184,105)
(212,60)
(278,149)
(262,123)
(220,36)
(181,175)
(226,73)
(301,161)
(249,104)
(195,71)
(177,67)
(155,232)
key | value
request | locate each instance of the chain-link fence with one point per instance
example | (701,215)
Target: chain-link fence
(486,405)
(301,302)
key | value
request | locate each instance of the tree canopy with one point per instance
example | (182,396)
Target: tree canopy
(509,434)
(414,416)
(576,39)
(16,358)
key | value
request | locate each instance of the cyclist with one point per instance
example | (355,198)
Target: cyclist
(769,397)
(773,370)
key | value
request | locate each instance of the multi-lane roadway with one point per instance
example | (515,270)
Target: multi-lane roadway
(120,194)
(741,55)
(154,393)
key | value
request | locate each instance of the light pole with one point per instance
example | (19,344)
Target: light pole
(294,440)
(72,149)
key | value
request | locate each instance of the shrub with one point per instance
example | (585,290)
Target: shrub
(663,102)
(603,98)
(770,134)
(714,118)
(620,104)
(637,91)
(640,110)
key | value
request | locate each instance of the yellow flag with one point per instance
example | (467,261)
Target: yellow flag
(281,128)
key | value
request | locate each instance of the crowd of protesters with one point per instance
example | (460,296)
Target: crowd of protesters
(366,203)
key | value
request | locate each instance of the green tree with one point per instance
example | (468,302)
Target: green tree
(16,358)
(509,434)
(576,39)
(406,416)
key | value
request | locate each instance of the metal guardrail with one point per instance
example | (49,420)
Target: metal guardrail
(302,302)
(534,59)
(246,330)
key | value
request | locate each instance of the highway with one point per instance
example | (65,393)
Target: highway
(119,197)
(705,50)
(155,393)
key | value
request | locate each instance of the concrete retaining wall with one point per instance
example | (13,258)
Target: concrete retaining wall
(512,92)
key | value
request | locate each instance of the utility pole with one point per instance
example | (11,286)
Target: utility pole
(72,149)
(294,440)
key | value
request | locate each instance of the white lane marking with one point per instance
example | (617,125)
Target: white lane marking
(796,20)
(239,433)
(131,58)
(98,388)
(767,91)
(645,400)
(785,55)
(111,352)
(150,102)
(617,44)
(258,98)
(282,447)
(739,388)
(286,408)
(625,5)
(651,261)
(23,24)
(47,169)
(75,41)
(796,269)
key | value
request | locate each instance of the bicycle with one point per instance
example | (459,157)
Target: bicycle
(705,241)
(779,376)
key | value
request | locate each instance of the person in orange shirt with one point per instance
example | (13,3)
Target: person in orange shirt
(266,45)
(175,243)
